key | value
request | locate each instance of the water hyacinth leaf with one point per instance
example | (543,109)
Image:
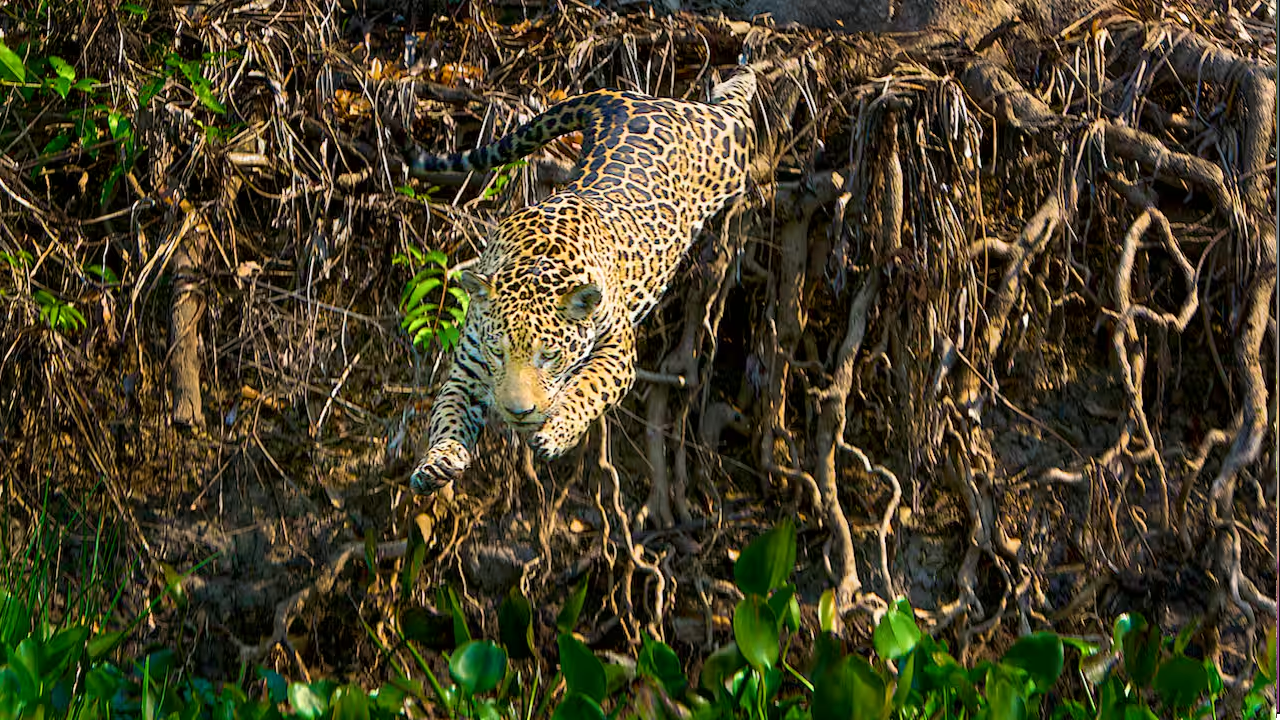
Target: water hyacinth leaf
(428,628)
(755,629)
(850,689)
(64,648)
(785,607)
(1040,655)
(25,663)
(277,686)
(102,682)
(15,619)
(568,616)
(515,624)
(618,676)
(767,562)
(350,702)
(449,599)
(1140,642)
(478,666)
(720,666)
(897,633)
(1181,681)
(414,555)
(827,611)
(658,661)
(577,706)
(306,702)
(583,671)
(1005,700)
(1267,658)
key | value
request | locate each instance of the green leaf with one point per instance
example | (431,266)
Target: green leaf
(1140,641)
(306,702)
(478,666)
(438,258)
(1005,696)
(61,67)
(577,706)
(449,599)
(785,607)
(119,125)
(134,9)
(61,650)
(583,671)
(720,666)
(414,555)
(1071,710)
(428,628)
(1180,681)
(102,682)
(1267,657)
(1040,655)
(851,689)
(25,663)
(205,94)
(767,563)
(827,611)
(277,686)
(755,629)
(350,702)
(85,85)
(420,291)
(60,85)
(907,677)
(568,616)
(12,64)
(658,661)
(1138,712)
(449,336)
(15,618)
(149,90)
(515,624)
(897,633)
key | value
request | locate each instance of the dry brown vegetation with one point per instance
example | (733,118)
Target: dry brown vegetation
(995,325)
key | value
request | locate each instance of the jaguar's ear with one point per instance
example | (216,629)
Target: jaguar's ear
(581,302)
(476,285)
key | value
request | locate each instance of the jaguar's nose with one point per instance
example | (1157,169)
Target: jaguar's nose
(520,412)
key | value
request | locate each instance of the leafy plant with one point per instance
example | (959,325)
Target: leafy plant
(57,313)
(434,306)
(501,178)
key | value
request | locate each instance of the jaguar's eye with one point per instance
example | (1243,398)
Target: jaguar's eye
(550,356)
(496,349)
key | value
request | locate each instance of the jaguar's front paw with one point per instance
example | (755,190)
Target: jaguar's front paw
(552,441)
(444,463)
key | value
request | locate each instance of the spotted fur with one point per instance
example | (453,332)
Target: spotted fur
(549,340)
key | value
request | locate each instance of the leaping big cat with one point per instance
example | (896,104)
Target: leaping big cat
(556,294)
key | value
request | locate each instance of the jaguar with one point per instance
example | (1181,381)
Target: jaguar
(560,286)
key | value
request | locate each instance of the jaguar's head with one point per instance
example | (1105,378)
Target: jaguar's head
(535,324)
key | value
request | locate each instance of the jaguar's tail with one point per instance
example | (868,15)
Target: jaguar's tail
(569,116)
